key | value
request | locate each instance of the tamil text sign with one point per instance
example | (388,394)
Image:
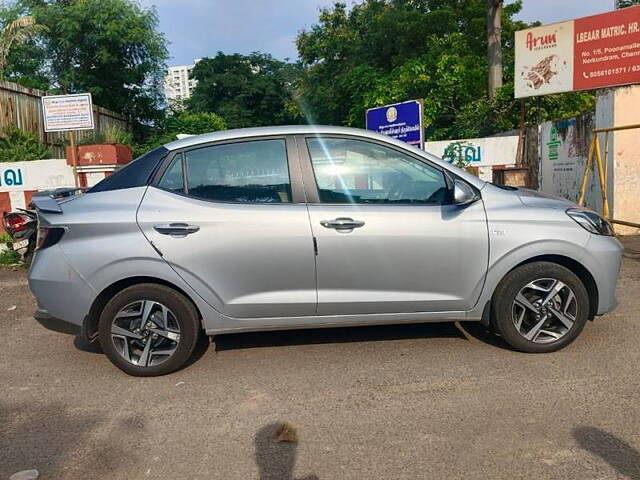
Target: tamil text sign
(401,120)
(591,52)
(67,112)
(484,153)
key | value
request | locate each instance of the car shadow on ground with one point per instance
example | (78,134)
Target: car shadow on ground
(86,346)
(621,456)
(473,332)
(201,348)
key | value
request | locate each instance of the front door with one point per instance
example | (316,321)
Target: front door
(389,239)
(224,217)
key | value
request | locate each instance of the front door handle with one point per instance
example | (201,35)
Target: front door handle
(342,223)
(176,229)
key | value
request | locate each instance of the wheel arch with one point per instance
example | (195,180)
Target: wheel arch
(576,268)
(90,325)
(572,264)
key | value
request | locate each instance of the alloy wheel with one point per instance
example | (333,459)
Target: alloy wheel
(145,333)
(544,310)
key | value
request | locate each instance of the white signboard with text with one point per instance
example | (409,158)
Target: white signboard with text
(483,153)
(599,51)
(67,112)
(544,60)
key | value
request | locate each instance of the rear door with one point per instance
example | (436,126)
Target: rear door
(230,218)
(389,238)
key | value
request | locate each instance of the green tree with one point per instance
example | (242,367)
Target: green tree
(16,32)
(384,51)
(110,48)
(24,60)
(246,90)
(180,122)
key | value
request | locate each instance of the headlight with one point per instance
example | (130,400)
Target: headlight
(591,221)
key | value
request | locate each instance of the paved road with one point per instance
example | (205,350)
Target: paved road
(420,401)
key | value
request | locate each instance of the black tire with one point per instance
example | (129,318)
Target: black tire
(185,315)
(502,316)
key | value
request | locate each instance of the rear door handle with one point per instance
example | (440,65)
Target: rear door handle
(342,223)
(176,229)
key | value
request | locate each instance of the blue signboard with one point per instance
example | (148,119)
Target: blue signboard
(401,120)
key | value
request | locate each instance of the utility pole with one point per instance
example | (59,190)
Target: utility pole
(494,43)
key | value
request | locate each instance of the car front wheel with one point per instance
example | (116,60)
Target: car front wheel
(540,307)
(149,330)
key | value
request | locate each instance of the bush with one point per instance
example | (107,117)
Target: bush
(5,238)
(16,145)
(9,257)
(181,122)
(193,123)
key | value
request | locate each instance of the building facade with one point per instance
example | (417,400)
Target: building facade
(178,84)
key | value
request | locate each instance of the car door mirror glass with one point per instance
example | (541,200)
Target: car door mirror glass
(463,193)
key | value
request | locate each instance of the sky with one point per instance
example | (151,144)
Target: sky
(200,28)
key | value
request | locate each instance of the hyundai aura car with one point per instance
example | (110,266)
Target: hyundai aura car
(304,227)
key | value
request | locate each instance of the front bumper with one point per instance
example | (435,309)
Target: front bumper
(605,262)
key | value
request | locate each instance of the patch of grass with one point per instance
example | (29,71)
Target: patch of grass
(9,257)
(5,238)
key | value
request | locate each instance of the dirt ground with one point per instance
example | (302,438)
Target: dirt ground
(403,402)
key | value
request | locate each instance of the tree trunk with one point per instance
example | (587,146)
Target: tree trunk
(494,43)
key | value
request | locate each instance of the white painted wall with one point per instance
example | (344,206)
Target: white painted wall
(619,107)
(562,174)
(564,147)
(16,178)
(35,175)
(481,152)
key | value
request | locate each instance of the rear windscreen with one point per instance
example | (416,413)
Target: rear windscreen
(135,174)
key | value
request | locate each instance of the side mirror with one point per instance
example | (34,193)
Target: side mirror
(463,193)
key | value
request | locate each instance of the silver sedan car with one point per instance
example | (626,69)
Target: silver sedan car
(305,227)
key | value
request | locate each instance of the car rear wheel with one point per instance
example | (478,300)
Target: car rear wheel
(540,307)
(149,330)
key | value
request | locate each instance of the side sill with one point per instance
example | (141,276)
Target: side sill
(324,324)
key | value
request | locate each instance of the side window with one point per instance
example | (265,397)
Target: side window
(355,171)
(173,179)
(246,172)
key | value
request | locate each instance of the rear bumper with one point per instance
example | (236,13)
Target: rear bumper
(60,292)
(50,322)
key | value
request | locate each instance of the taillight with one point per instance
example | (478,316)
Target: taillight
(14,223)
(48,236)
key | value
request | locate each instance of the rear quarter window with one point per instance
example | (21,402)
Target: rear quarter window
(136,174)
